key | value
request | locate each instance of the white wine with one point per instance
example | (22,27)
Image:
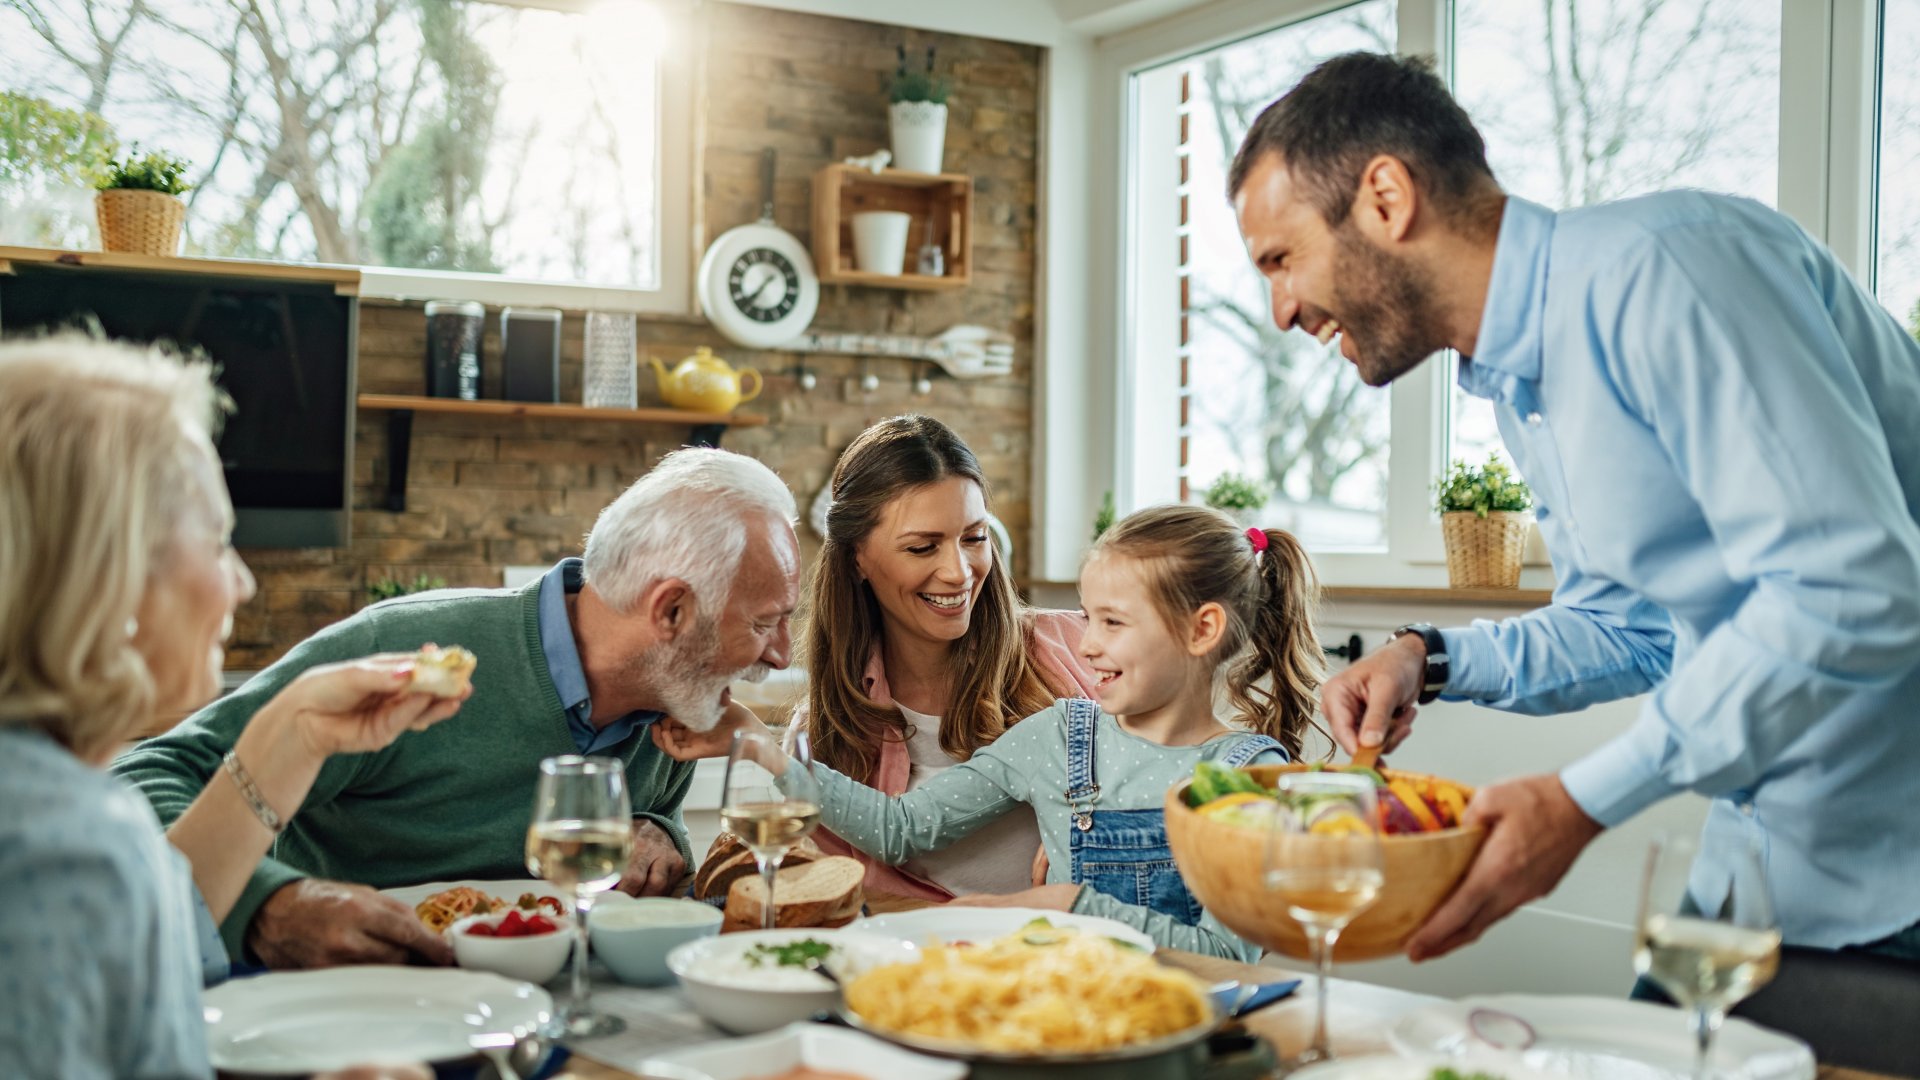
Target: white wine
(585,856)
(768,828)
(1704,963)
(1327,898)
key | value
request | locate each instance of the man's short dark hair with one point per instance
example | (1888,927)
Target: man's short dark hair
(1356,107)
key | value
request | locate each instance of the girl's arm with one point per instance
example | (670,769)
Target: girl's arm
(895,828)
(1209,938)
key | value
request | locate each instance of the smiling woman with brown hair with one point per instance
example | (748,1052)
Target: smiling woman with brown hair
(917,649)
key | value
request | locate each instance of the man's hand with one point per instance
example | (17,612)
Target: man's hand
(313,923)
(682,743)
(1534,833)
(1046,897)
(1372,702)
(1040,867)
(657,866)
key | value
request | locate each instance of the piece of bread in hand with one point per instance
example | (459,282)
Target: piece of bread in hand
(442,672)
(728,860)
(820,894)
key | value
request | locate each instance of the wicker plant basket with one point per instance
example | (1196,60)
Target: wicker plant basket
(140,222)
(1485,553)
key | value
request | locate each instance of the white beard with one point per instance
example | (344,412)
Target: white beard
(687,692)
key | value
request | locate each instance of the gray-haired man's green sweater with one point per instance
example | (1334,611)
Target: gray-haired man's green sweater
(450,802)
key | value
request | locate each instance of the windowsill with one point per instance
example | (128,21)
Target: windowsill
(1361,594)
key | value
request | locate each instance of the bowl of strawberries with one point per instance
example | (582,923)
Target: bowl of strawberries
(518,944)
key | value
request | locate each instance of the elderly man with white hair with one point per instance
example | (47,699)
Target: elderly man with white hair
(688,583)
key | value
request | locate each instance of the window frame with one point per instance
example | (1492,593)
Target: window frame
(1829,92)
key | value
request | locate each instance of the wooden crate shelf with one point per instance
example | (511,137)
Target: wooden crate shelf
(940,206)
(706,427)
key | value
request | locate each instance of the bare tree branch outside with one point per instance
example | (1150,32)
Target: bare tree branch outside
(452,135)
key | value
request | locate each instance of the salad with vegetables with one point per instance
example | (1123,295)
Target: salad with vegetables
(1408,804)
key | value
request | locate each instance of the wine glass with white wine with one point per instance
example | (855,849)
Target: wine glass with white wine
(580,840)
(771,802)
(1324,863)
(1707,963)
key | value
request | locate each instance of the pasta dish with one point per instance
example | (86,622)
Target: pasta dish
(449,906)
(1041,989)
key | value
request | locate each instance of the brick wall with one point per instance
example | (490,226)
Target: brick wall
(485,492)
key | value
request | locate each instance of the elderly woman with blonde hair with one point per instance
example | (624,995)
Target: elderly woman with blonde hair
(118,585)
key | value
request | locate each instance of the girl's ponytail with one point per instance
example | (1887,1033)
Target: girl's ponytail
(1274,685)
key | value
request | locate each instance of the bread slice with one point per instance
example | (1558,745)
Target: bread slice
(442,672)
(728,860)
(823,893)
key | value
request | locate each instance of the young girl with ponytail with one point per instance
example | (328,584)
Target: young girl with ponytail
(1173,595)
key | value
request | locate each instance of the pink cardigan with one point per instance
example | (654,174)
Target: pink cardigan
(1056,649)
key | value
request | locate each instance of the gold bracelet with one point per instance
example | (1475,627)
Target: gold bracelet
(273,821)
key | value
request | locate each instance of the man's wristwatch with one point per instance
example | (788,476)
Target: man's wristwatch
(1439,669)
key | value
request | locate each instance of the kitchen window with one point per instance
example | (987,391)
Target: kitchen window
(1587,103)
(1897,281)
(1580,103)
(473,149)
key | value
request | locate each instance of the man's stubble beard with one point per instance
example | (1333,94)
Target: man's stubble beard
(1390,302)
(682,677)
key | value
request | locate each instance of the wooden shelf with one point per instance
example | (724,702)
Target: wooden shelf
(557,411)
(1528,598)
(344,279)
(939,204)
(707,426)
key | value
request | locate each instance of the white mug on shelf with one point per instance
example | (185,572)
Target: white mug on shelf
(880,241)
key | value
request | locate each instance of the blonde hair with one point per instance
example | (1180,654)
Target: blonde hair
(1193,555)
(96,451)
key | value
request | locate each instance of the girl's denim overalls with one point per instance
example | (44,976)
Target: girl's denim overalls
(1124,853)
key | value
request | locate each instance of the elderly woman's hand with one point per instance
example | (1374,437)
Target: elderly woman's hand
(359,705)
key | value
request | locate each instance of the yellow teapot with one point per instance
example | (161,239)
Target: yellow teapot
(705,383)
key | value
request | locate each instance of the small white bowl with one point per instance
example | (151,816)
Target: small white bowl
(813,1046)
(744,1000)
(535,959)
(634,938)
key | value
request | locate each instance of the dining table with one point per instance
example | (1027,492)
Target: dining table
(1358,1017)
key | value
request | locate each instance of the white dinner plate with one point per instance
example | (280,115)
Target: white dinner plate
(1392,1067)
(298,1022)
(1608,1039)
(975,925)
(814,1046)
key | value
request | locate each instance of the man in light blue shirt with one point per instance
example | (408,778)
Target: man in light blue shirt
(1722,432)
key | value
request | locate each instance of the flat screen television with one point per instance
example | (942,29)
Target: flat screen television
(284,351)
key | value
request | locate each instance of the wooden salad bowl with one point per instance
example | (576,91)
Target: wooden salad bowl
(1223,863)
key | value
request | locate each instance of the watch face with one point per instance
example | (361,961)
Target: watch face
(763,285)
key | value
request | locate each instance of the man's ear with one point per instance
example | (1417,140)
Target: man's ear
(668,608)
(1387,201)
(1205,629)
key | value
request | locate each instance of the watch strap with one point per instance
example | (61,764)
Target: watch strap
(1439,666)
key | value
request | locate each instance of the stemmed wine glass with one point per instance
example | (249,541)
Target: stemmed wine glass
(581,839)
(1707,963)
(1324,863)
(770,807)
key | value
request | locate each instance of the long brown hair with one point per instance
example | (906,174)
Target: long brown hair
(995,681)
(1193,555)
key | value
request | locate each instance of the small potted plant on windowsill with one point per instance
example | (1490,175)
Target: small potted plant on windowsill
(917,116)
(1237,495)
(1484,519)
(139,204)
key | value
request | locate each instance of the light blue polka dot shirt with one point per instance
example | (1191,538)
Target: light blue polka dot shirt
(103,941)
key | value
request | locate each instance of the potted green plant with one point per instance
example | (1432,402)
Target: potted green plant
(388,588)
(1237,495)
(1484,520)
(138,203)
(917,116)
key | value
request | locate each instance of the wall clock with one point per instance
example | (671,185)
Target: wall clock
(756,282)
